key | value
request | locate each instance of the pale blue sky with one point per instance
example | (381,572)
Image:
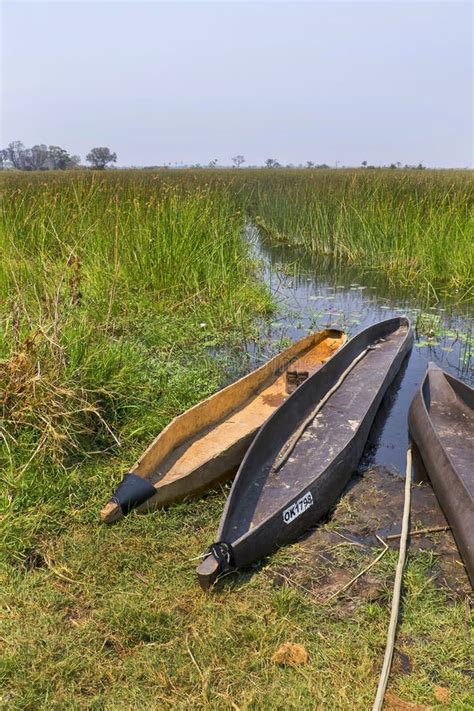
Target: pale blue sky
(165,82)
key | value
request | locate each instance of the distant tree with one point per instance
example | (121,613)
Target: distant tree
(272,163)
(59,159)
(309,164)
(100,157)
(212,163)
(39,157)
(23,158)
(36,158)
(420,166)
(238,160)
(364,163)
(14,154)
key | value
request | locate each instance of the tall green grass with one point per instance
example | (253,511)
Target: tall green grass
(107,282)
(417,227)
(135,232)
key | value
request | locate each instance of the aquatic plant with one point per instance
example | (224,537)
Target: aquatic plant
(416,227)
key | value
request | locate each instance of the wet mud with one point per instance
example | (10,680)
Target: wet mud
(368,517)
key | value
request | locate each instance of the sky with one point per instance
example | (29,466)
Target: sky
(172,82)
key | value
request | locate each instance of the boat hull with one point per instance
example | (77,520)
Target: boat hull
(310,497)
(438,439)
(206,444)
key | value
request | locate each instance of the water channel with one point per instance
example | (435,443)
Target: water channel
(312,295)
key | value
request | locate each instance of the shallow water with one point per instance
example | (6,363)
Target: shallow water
(312,295)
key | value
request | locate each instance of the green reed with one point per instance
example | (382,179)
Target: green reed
(100,277)
(414,226)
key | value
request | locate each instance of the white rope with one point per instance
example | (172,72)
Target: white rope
(289,446)
(397,586)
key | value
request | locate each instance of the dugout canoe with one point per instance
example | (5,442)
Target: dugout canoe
(206,444)
(441,423)
(268,508)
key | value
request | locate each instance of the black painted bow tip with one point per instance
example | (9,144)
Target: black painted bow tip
(131,492)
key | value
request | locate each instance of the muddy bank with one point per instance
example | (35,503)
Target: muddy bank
(369,512)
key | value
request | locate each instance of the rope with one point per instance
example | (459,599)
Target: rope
(287,448)
(397,586)
(223,554)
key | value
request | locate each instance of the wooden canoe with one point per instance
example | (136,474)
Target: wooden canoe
(267,508)
(207,443)
(441,423)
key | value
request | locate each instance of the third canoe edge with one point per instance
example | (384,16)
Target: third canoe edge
(441,423)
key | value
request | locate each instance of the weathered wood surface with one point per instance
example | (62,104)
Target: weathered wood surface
(441,421)
(207,443)
(268,508)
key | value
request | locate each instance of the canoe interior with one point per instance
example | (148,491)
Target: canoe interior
(263,492)
(234,415)
(450,405)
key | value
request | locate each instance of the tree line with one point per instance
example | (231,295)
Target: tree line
(42,157)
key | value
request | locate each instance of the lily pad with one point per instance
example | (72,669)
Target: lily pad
(426,344)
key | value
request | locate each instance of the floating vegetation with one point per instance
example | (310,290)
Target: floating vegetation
(426,344)
(428,324)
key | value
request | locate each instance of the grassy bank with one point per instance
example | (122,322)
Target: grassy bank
(112,618)
(117,292)
(113,292)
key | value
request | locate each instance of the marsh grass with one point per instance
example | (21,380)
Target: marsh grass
(416,227)
(100,280)
(114,290)
(117,291)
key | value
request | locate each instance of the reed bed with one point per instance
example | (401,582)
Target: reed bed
(416,227)
(101,278)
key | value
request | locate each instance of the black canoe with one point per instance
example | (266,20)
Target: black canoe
(267,508)
(441,423)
